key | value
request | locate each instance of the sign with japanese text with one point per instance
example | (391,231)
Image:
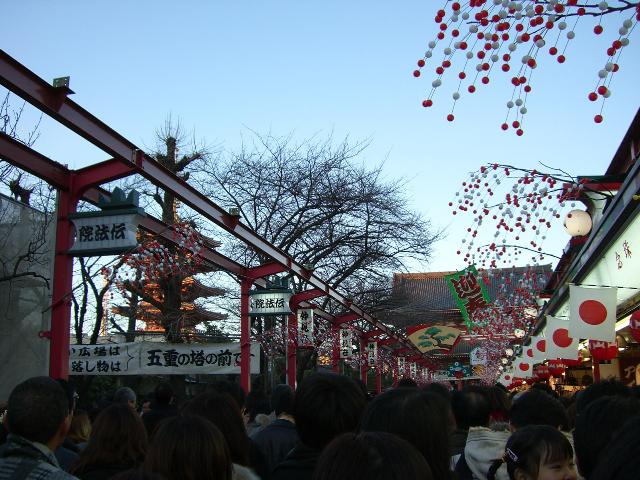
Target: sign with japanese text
(469,291)
(305,327)
(629,370)
(155,358)
(413,370)
(100,234)
(372,354)
(401,365)
(269,302)
(346,340)
(111,230)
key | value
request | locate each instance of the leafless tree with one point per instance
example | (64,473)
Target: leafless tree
(318,203)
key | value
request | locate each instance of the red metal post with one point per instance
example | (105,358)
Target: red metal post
(292,350)
(335,354)
(245,333)
(61,292)
(378,378)
(596,370)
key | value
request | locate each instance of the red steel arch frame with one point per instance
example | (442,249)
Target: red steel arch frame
(127,159)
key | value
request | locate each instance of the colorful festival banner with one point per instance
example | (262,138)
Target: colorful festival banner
(469,291)
(156,358)
(428,338)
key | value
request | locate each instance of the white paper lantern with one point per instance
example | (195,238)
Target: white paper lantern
(577,223)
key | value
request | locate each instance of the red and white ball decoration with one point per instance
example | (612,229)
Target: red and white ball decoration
(510,37)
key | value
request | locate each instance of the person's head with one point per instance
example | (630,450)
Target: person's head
(117,437)
(621,457)
(537,452)
(471,407)
(189,448)
(407,383)
(162,394)
(438,389)
(125,395)
(222,411)
(38,410)
(535,407)
(232,388)
(500,403)
(282,400)
(597,425)
(325,406)
(418,417)
(371,456)
(604,388)
(256,402)
(80,429)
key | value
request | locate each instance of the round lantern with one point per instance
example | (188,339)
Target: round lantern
(542,372)
(634,325)
(577,223)
(556,368)
(601,351)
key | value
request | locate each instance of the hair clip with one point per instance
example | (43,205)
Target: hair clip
(511,455)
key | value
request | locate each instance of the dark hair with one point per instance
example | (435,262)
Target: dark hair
(325,406)
(596,426)
(222,411)
(163,393)
(282,399)
(604,388)
(256,402)
(36,409)
(535,407)
(418,417)
(530,447)
(231,388)
(371,456)
(136,474)
(621,457)
(471,407)
(438,389)
(117,437)
(189,448)
(407,383)
(500,403)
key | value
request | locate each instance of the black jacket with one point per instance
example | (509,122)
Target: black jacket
(299,464)
(276,440)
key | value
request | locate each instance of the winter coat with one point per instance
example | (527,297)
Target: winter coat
(22,459)
(276,441)
(483,447)
(298,465)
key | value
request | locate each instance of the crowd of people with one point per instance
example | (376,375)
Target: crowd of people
(330,428)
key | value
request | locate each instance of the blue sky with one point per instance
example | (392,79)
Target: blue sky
(309,67)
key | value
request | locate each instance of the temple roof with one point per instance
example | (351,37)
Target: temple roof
(425,298)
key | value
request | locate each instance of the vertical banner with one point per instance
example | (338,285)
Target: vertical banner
(372,354)
(469,291)
(346,350)
(305,327)
(401,366)
(413,370)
